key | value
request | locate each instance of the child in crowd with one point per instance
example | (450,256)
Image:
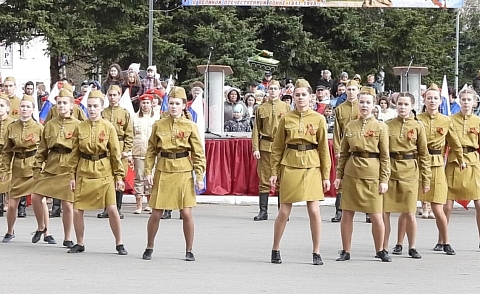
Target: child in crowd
(151,81)
(238,123)
(329,117)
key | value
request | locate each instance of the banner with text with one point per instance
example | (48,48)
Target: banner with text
(330,3)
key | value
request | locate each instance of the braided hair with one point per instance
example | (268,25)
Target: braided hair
(187,114)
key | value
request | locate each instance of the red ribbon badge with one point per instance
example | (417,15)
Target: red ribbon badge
(369,133)
(31,138)
(120,122)
(473,131)
(410,134)
(357,116)
(440,131)
(181,135)
(101,136)
(310,130)
(69,135)
(15,111)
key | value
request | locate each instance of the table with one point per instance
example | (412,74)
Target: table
(232,169)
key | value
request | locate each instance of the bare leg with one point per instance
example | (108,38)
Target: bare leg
(280,223)
(114,220)
(447,209)
(67,219)
(477,209)
(39,206)
(402,228)
(79,225)
(378,230)
(441,220)
(188,228)
(315,224)
(388,229)
(152,227)
(12,214)
(346,229)
(411,229)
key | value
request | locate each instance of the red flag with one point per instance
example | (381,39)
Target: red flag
(463,203)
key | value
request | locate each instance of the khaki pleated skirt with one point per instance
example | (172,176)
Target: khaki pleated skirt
(54,186)
(463,185)
(438,187)
(361,195)
(91,194)
(21,187)
(173,191)
(300,184)
(5,185)
(401,197)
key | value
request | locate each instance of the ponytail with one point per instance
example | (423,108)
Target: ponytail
(187,114)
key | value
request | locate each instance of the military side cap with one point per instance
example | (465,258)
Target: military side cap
(115,88)
(28,98)
(274,82)
(146,97)
(65,93)
(96,94)
(9,79)
(301,83)
(178,92)
(368,90)
(353,83)
(4,97)
(68,87)
(434,87)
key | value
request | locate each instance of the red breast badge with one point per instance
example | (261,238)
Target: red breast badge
(440,131)
(69,135)
(101,136)
(31,138)
(473,130)
(15,111)
(410,134)
(181,135)
(120,122)
(369,133)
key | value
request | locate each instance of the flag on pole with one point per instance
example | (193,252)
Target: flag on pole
(445,105)
(36,109)
(83,104)
(126,102)
(196,110)
(49,103)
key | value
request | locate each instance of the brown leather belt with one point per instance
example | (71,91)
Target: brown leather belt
(61,150)
(434,152)
(366,154)
(468,149)
(120,138)
(403,156)
(302,147)
(266,138)
(170,155)
(27,154)
(93,157)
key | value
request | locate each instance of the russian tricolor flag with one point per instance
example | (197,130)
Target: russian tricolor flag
(445,105)
(49,103)
(198,117)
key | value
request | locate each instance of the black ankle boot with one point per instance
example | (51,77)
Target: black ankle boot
(167,214)
(263,204)
(56,208)
(22,207)
(2,195)
(338,212)
(119,196)
(103,214)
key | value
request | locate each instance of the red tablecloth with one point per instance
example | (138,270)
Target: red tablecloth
(232,170)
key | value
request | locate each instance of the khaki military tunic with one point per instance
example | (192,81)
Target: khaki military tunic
(267,117)
(173,183)
(465,185)
(95,177)
(14,107)
(21,143)
(50,170)
(301,171)
(360,173)
(3,130)
(345,113)
(77,113)
(121,120)
(407,138)
(439,130)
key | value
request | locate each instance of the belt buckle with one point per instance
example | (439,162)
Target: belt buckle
(400,156)
(302,147)
(171,155)
(94,157)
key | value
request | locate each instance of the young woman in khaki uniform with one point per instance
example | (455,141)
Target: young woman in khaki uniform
(96,171)
(409,161)
(77,112)
(363,171)
(51,172)
(440,131)
(21,142)
(301,160)
(176,142)
(465,185)
(5,121)
(120,119)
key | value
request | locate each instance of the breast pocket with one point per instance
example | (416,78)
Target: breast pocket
(291,131)
(351,138)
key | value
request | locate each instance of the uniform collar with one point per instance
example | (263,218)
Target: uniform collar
(367,120)
(404,120)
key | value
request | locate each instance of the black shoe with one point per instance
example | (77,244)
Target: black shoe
(68,244)
(262,215)
(37,235)
(147,255)
(49,240)
(438,247)
(344,255)
(103,214)
(367,219)
(167,214)
(448,249)
(120,214)
(76,249)
(383,255)
(414,253)
(55,212)
(8,237)
(189,256)
(338,217)
(397,250)
(21,212)
(121,249)
(317,259)
(276,257)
